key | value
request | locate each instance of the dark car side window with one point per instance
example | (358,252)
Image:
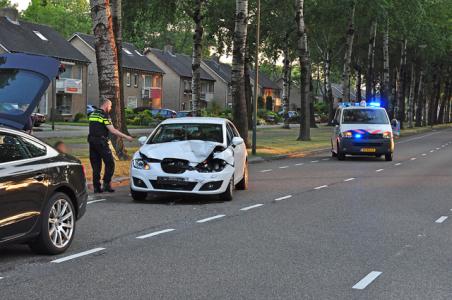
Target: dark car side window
(35,149)
(11,148)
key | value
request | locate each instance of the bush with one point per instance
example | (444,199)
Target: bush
(79,116)
(320,108)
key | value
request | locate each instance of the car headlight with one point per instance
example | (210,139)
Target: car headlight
(347,134)
(211,165)
(140,164)
(387,135)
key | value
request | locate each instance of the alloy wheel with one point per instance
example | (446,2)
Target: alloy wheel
(61,223)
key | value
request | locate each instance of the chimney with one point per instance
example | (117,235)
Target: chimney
(168,49)
(11,13)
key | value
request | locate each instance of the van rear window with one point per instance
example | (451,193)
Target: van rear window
(365,116)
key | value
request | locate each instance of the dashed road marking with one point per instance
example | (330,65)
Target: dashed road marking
(265,171)
(424,154)
(431,151)
(77,255)
(283,198)
(441,219)
(397,164)
(437,148)
(210,219)
(1,278)
(413,158)
(349,179)
(284,167)
(299,164)
(379,170)
(141,237)
(314,161)
(320,187)
(363,283)
(95,201)
(251,207)
(325,159)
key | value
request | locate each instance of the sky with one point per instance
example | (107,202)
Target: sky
(22,4)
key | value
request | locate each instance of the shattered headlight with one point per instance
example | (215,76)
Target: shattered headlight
(140,164)
(211,165)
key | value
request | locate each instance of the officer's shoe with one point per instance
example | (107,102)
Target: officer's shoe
(108,189)
(98,190)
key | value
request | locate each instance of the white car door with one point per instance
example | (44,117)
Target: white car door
(239,152)
(336,130)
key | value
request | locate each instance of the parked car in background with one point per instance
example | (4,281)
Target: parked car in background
(184,114)
(157,112)
(90,108)
(38,119)
(42,192)
(203,156)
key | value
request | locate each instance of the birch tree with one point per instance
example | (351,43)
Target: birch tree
(386,88)
(196,57)
(348,54)
(238,69)
(371,61)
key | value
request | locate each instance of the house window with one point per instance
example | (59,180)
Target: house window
(132,102)
(127,51)
(68,72)
(40,35)
(128,79)
(147,81)
(78,72)
(64,104)
(187,86)
(135,80)
(137,52)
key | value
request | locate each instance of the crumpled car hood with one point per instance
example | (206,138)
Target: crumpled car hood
(194,151)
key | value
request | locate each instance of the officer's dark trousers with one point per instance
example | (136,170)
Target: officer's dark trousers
(100,151)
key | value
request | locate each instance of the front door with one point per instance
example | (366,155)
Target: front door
(23,185)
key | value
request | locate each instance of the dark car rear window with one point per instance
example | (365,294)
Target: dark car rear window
(364,116)
(18,88)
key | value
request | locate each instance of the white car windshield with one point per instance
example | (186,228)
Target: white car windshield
(365,116)
(183,132)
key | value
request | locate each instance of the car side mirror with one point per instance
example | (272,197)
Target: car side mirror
(142,140)
(236,141)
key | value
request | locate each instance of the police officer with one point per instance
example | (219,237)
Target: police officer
(99,149)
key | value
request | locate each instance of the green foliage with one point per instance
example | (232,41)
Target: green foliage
(79,116)
(65,16)
(321,108)
(6,3)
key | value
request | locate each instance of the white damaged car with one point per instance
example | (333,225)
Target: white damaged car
(203,156)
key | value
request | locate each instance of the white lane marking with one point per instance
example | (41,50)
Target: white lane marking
(432,151)
(154,233)
(437,148)
(300,164)
(349,179)
(210,219)
(283,198)
(413,158)
(251,207)
(74,256)
(1,278)
(397,164)
(284,167)
(363,283)
(265,171)
(441,219)
(94,201)
(325,159)
(320,187)
(315,161)
(423,154)
(379,170)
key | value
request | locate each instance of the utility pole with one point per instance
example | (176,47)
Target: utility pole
(256,79)
(53,110)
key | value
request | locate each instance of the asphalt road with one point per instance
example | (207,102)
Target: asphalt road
(308,228)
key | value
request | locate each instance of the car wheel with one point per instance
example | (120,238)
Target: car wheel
(57,226)
(229,193)
(340,155)
(389,157)
(138,196)
(243,184)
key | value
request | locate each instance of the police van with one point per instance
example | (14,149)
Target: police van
(362,129)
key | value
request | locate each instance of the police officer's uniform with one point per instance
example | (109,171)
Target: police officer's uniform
(99,149)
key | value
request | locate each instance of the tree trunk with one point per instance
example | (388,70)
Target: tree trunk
(305,73)
(285,91)
(402,86)
(312,123)
(348,55)
(370,61)
(411,97)
(238,70)
(108,63)
(358,84)
(420,102)
(248,89)
(386,95)
(328,89)
(442,110)
(196,58)
(436,97)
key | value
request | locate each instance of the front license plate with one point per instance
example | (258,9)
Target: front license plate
(368,150)
(171,179)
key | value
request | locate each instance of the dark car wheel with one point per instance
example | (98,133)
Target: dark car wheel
(243,184)
(340,155)
(389,157)
(138,196)
(229,193)
(57,226)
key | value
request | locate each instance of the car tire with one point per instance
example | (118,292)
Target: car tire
(340,155)
(138,196)
(243,184)
(229,193)
(389,157)
(52,221)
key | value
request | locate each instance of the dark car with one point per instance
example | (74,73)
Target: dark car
(38,119)
(184,114)
(157,112)
(42,192)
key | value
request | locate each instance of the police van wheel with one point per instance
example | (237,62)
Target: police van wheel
(389,157)
(339,154)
